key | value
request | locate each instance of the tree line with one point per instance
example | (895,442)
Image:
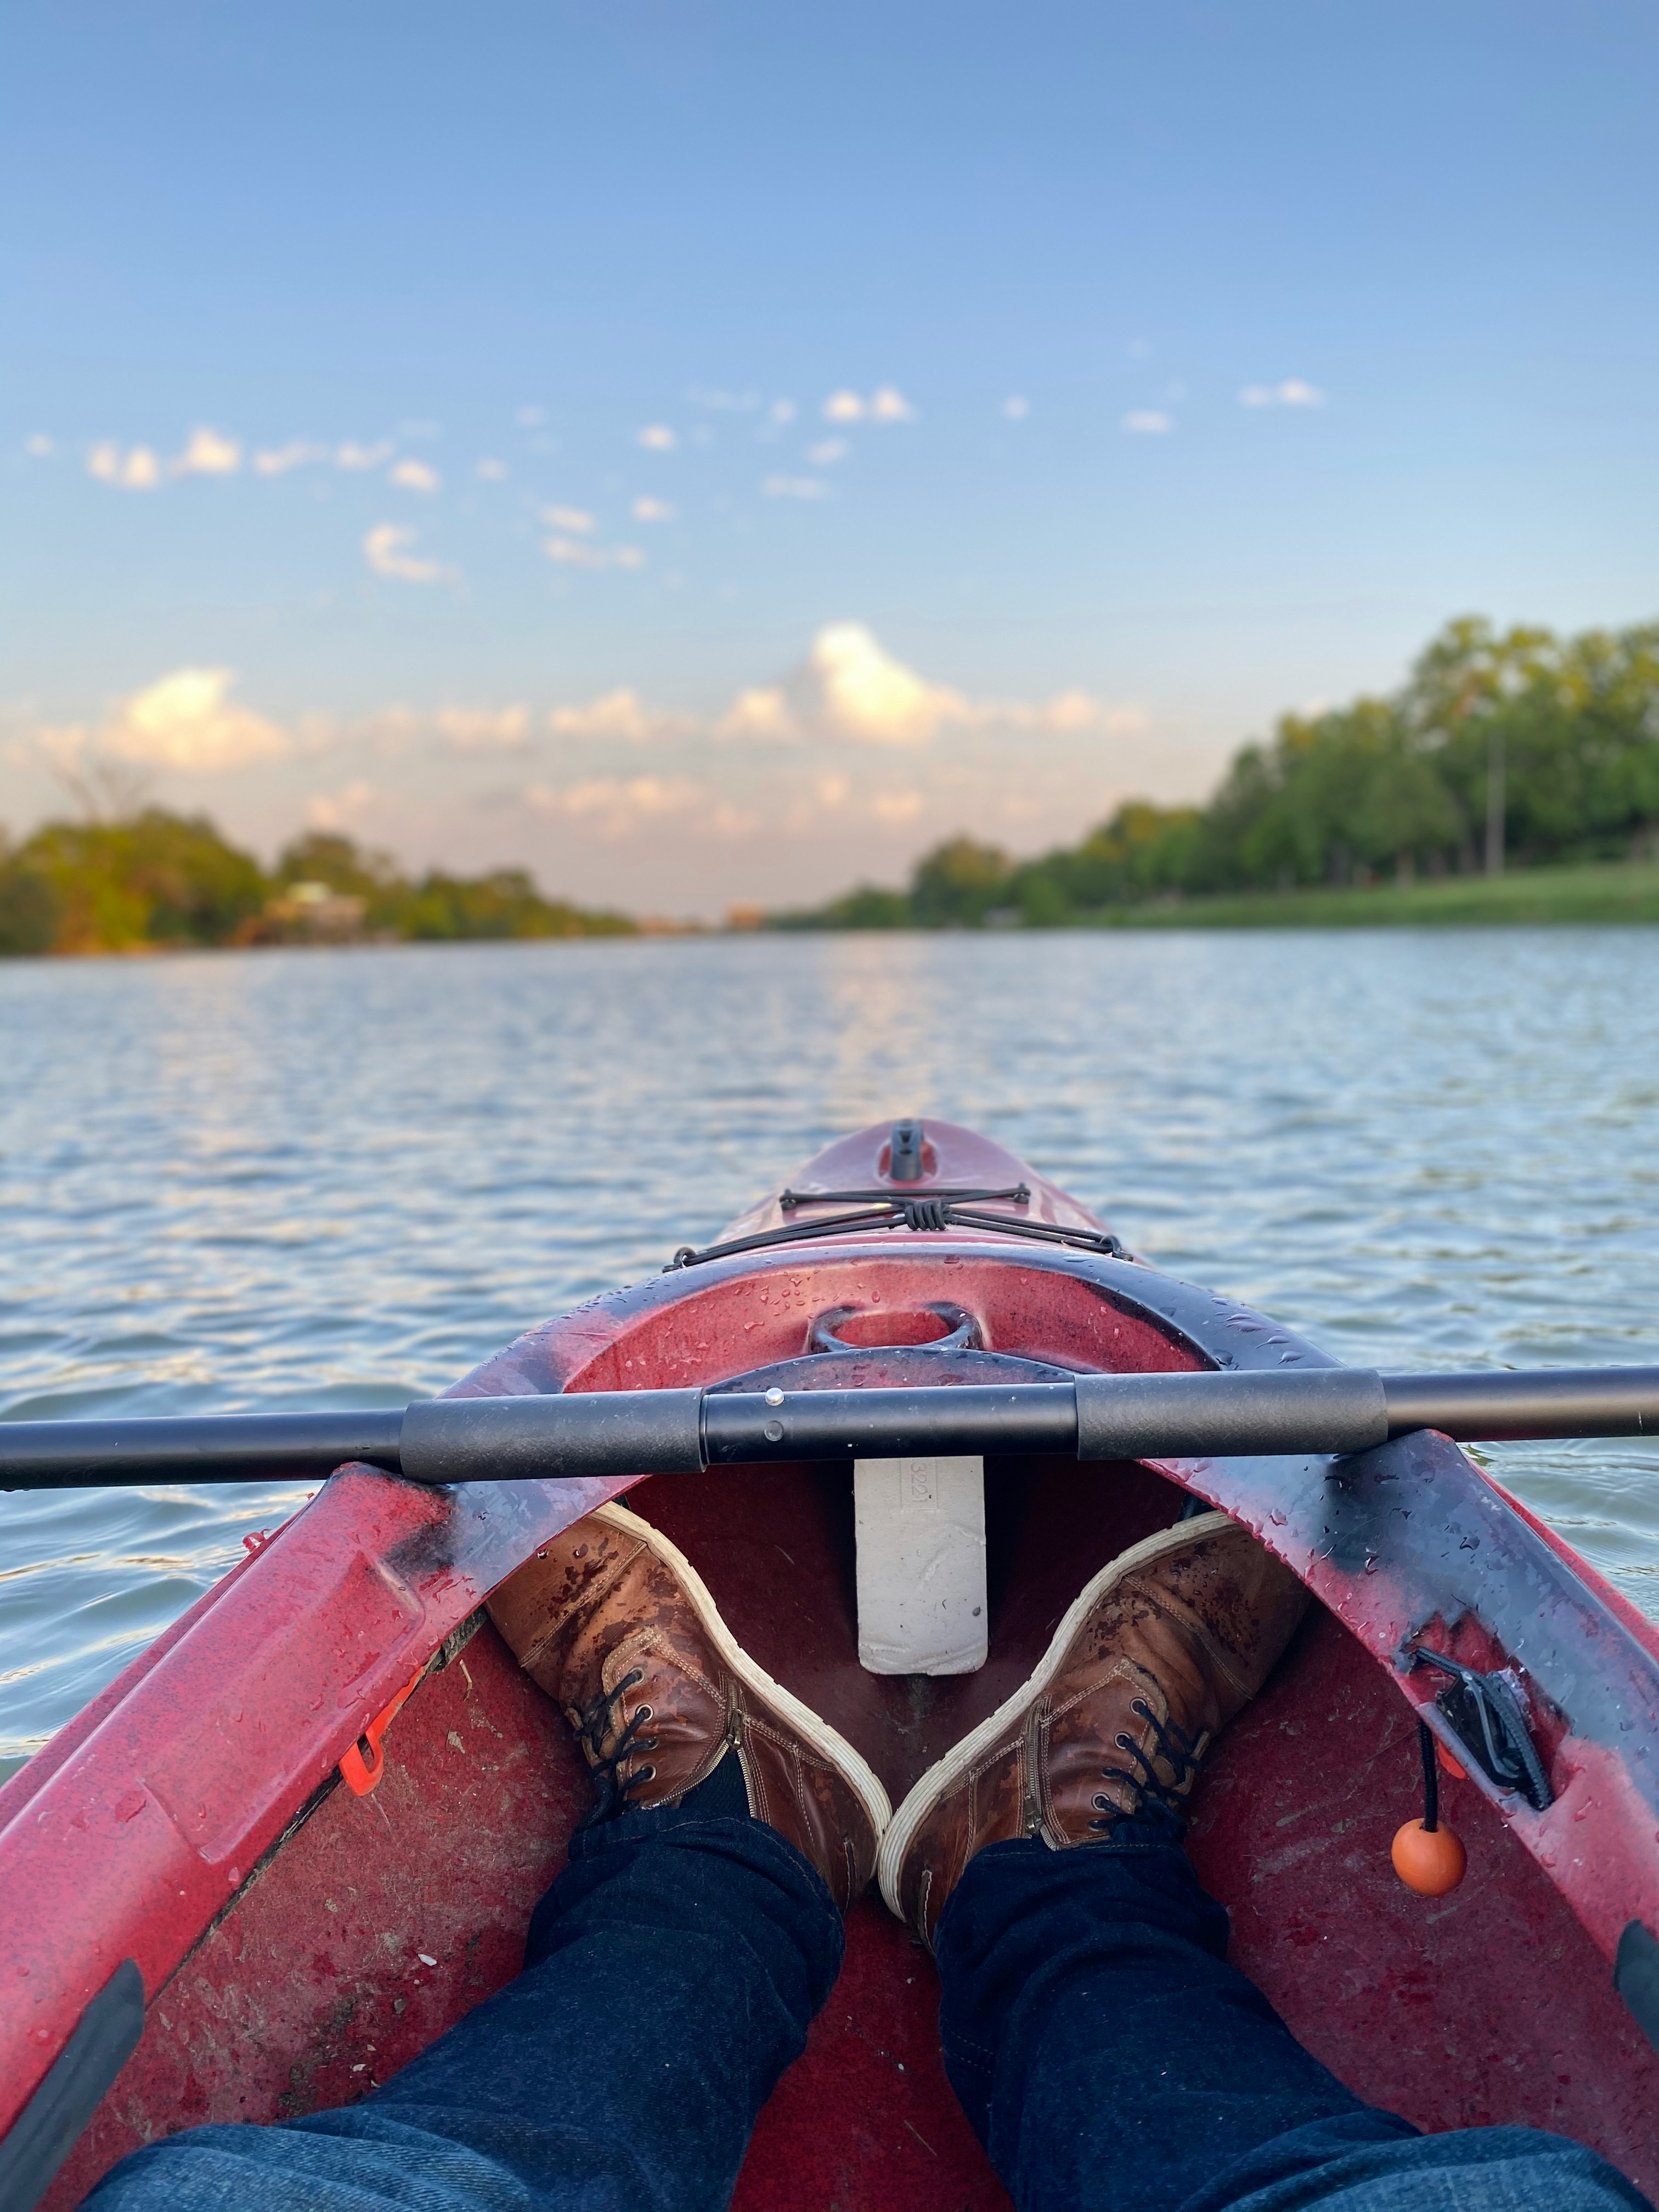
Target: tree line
(1502,749)
(156,879)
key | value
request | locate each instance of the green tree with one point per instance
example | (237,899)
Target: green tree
(959,882)
(28,904)
(161,878)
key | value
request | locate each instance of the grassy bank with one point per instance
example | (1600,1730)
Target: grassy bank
(1612,891)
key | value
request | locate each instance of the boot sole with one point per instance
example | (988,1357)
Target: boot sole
(939,1777)
(833,1748)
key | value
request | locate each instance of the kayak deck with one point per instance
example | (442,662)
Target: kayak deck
(1490,2005)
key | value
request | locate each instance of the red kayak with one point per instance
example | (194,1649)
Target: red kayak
(302,1835)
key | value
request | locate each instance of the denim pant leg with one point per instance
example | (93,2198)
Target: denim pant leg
(670,1977)
(1112,2061)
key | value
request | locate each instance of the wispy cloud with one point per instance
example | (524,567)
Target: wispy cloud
(1147,423)
(1292,392)
(576,518)
(490,469)
(278,460)
(351,456)
(39,447)
(572,553)
(484,729)
(794,487)
(619,714)
(414,476)
(656,438)
(647,509)
(137,468)
(828,451)
(614,806)
(386,550)
(1015,408)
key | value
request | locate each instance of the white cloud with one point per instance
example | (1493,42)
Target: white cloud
(850,689)
(278,460)
(484,729)
(646,509)
(864,693)
(1147,423)
(186,720)
(1292,392)
(782,410)
(384,550)
(573,554)
(137,470)
(1015,408)
(886,405)
(357,458)
(576,518)
(208,454)
(531,418)
(656,438)
(762,712)
(492,471)
(794,487)
(1068,714)
(616,806)
(341,809)
(621,714)
(414,476)
(828,451)
(39,447)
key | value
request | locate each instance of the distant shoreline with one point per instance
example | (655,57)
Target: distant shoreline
(1614,891)
(1600,891)
(1611,892)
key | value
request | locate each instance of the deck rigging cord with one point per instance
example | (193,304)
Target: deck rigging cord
(886,1209)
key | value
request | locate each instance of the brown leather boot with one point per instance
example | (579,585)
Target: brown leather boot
(616,1627)
(1153,1660)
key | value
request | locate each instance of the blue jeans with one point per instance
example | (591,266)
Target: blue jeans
(1109,2058)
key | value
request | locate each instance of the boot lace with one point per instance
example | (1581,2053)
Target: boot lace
(598,1719)
(1163,1801)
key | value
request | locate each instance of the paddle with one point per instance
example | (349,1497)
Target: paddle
(622,1432)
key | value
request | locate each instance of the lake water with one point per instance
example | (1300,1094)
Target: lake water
(289,1179)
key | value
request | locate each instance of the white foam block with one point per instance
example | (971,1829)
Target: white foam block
(921,1527)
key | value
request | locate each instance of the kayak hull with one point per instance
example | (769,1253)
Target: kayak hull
(194,1819)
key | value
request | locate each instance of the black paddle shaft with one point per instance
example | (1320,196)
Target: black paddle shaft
(1306,1411)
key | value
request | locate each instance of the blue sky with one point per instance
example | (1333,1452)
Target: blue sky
(710,452)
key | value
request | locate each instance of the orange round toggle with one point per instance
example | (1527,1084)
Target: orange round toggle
(1448,1764)
(1431,1860)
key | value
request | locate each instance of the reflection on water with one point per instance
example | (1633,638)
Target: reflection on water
(289,1179)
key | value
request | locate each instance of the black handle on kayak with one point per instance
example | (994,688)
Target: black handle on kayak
(623,1432)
